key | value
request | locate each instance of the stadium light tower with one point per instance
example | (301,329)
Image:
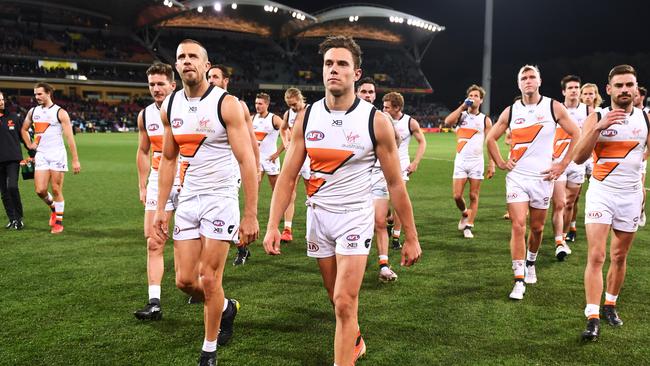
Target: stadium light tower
(487,55)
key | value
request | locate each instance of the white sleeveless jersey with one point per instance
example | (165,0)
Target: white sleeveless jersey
(205,155)
(377,165)
(291,117)
(341,149)
(562,138)
(266,134)
(48,134)
(618,153)
(154,128)
(470,136)
(533,132)
(403,127)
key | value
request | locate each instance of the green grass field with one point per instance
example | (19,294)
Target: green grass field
(68,299)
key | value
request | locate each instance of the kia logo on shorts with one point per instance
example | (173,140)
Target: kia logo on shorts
(152,127)
(352,237)
(595,215)
(608,132)
(177,229)
(315,135)
(519,121)
(218,223)
(177,122)
(512,196)
(312,247)
(152,202)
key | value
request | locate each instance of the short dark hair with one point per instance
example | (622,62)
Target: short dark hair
(366,80)
(569,78)
(264,97)
(346,42)
(642,90)
(159,68)
(189,40)
(621,70)
(49,89)
(225,73)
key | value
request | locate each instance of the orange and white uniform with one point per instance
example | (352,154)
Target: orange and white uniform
(208,202)
(615,193)
(48,135)
(533,131)
(403,128)
(154,128)
(574,173)
(341,148)
(291,119)
(470,136)
(267,138)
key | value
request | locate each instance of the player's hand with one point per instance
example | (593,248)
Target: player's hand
(143,195)
(33,146)
(249,230)
(554,172)
(507,165)
(76,167)
(272,242)
(273,156)
(411,168)
(490,171)
(160,226)
(615,117)
(411,252)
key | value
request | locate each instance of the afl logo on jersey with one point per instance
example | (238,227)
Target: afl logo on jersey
(152,127)
(315,135)
(608,132)
(519,121)
(177,122)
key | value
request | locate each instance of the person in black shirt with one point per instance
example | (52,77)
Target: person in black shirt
(10,157)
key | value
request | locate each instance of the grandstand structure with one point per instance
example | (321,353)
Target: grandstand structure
(96,54)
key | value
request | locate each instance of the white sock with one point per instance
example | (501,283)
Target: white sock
(592,309)
(610,298)
(572,224)
(209,346)
(154,292)
(287,224)
(530,256)
(225,305)
(58,208)
(383,257)
(559,238)
(518,268)
(396,233)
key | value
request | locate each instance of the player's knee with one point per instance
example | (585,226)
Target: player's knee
(56,191)
(473,196)
(41,191)
(537,228)
(210,282)
(458,197)
(618,258)
(558,205)
(380,224)
(596,258)
(344,306)
(185,282)
(154,245)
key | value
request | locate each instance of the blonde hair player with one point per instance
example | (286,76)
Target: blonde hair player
(531,170)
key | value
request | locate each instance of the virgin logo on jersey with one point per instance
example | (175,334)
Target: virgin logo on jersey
(204,126)
(152,127)
(540,118)
(608,133)
(352,137)
(177,122)
(315,135)
(519,121)
(636,132)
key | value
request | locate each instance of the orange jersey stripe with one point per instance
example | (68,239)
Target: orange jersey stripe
(523,135)
(610,150)
(260,135)
(183,168)
(561,142)
(464,133)
(156,142)
(313,185)
(40,127)
(327,161)
(189,143)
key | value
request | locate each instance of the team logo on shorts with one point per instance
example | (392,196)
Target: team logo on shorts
(218,223)
(519,121)
(512,196)
(315,135)
(546,199)
(367,243)
(352,237)
(608,132)
(594,214)
(312,247)
(152,203)
(231,228)
(177,122)
(152,127)
(176,229)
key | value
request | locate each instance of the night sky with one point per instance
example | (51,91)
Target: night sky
(579,37)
